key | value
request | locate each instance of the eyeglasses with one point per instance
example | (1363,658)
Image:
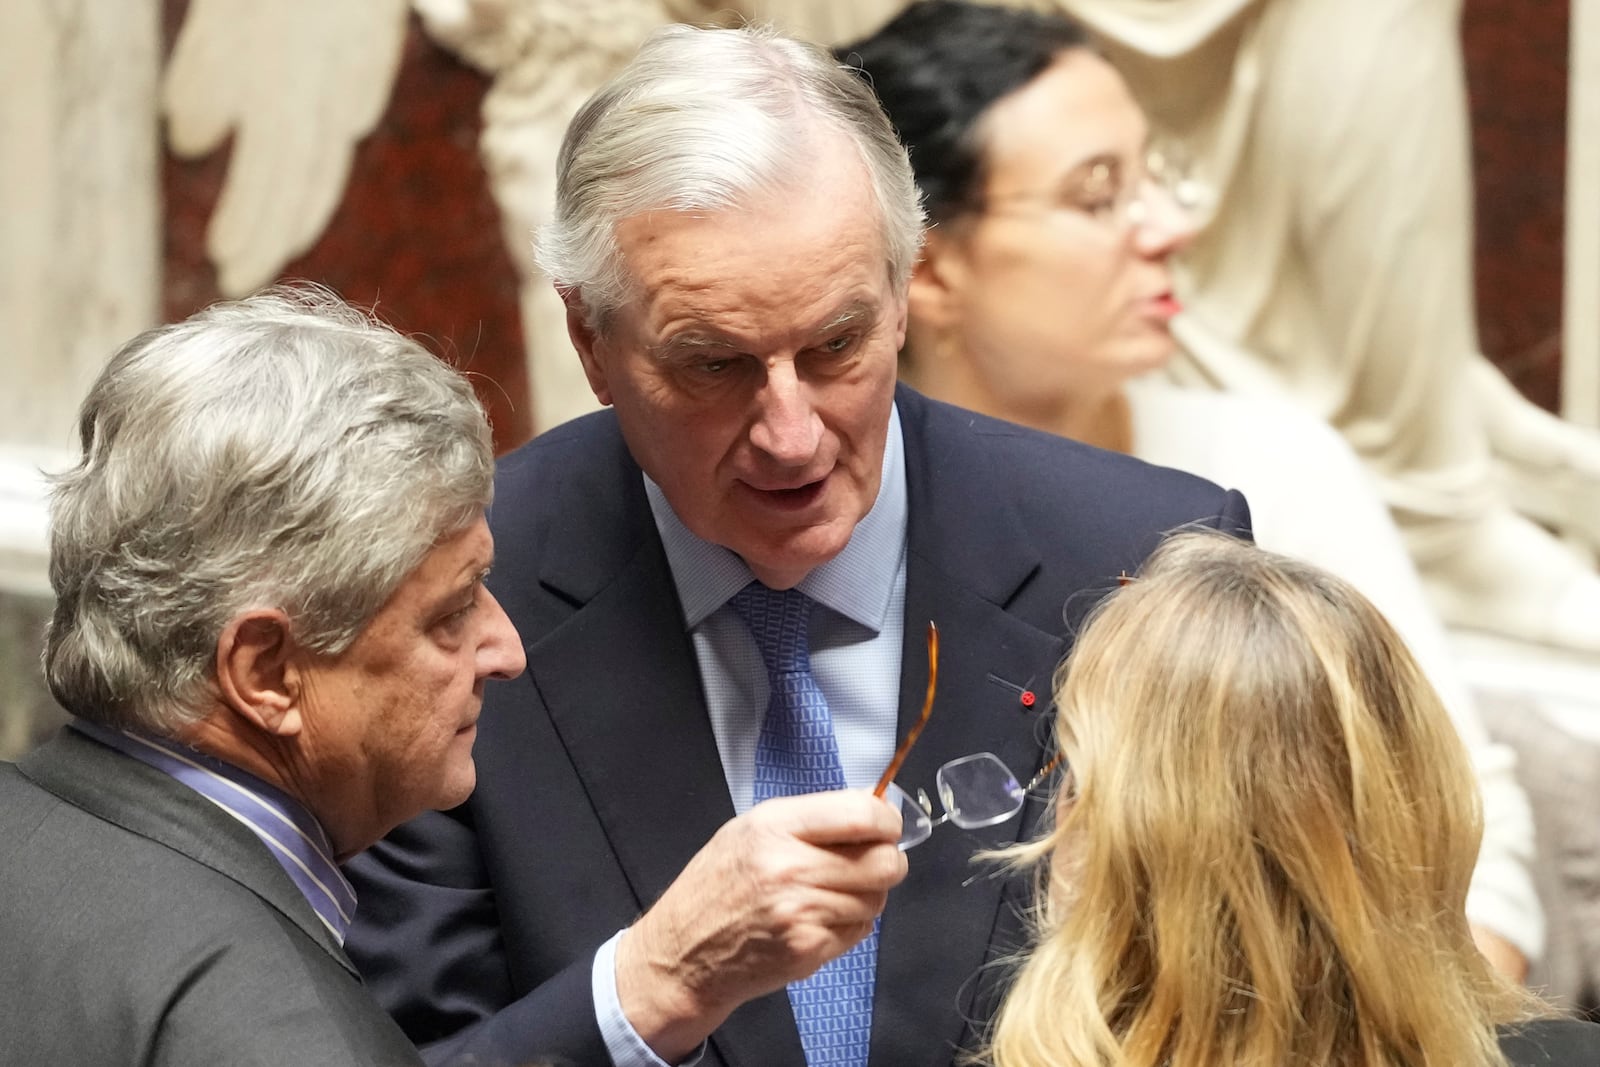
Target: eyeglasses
(1111,193)
(975,791)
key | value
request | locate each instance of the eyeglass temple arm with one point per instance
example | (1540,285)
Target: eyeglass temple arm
(1044,772)
(922,720)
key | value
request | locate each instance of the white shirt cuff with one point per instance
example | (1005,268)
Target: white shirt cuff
(626,1047)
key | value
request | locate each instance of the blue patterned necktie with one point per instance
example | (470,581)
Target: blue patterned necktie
(798,753)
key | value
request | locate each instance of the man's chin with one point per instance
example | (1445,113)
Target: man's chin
(782,566)
(456,787)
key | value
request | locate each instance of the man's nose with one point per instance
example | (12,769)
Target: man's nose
(500,655)
(786,426)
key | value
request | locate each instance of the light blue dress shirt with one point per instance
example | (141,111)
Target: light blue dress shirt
(856,639)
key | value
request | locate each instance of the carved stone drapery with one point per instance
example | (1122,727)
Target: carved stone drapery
(79,241)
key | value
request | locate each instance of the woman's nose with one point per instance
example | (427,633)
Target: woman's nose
(1162,224)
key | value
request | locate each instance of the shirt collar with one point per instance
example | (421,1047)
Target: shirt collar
(291,833)
(856,583)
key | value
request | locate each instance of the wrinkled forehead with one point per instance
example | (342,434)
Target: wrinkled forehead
(813,231)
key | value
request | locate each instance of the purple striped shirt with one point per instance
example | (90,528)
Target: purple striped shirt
(290,832)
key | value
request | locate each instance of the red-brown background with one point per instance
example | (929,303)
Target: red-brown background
(418,233)
(1516,55)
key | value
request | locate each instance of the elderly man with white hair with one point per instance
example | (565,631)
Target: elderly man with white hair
(724,582)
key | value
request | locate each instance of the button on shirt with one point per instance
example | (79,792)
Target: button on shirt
(856,639)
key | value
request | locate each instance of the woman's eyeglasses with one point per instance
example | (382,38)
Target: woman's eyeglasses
(974,791)
(1111,192)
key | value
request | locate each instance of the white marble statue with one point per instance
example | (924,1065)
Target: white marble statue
(300,82)
(80,270)
(1335,265)
(80,237)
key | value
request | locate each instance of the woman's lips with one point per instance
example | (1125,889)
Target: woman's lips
(1163,307)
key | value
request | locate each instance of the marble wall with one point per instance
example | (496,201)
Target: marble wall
(418,232)
(27,714)
(79,271)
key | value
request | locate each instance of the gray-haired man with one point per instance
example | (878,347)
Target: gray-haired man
(272,629)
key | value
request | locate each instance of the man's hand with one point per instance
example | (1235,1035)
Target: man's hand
(775,894)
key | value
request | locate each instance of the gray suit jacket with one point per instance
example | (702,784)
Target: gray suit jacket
(140,924)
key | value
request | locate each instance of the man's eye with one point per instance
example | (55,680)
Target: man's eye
(840,344)
(706,364)
(454,620)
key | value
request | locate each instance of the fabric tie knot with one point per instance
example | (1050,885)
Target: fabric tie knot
(780,621)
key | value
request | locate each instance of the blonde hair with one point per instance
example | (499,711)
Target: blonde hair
(1262,856)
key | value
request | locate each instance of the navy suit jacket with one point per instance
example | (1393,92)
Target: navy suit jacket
(599,777)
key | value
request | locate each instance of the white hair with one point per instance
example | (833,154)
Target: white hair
(698,121)
(282,451)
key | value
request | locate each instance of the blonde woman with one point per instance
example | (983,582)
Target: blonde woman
(1264,842)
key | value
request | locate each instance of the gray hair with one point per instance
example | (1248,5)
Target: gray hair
(699,120)
(283,451)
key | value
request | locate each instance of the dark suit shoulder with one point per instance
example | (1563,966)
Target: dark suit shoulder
(569,511)
(1050,468)
(122,950)
(1553,1042)
(590,446)
(1043,523)
(23,806)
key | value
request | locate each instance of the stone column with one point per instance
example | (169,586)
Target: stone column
(1580,354)
(79,269)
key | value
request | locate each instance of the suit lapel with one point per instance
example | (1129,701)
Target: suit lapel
(620,682)
(619,676)
(962,572)
(622,686)
(143,801)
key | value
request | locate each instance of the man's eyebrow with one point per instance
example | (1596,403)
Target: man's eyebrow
(693,339)
(700,338)
(855,313)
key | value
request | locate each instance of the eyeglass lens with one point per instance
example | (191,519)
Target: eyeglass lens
(916,825)
(976,791)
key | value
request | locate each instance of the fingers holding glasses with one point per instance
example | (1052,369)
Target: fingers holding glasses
(775,894)
(847,816)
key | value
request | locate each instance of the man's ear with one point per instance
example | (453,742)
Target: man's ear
(256,677)
(937,280)
(584,340)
